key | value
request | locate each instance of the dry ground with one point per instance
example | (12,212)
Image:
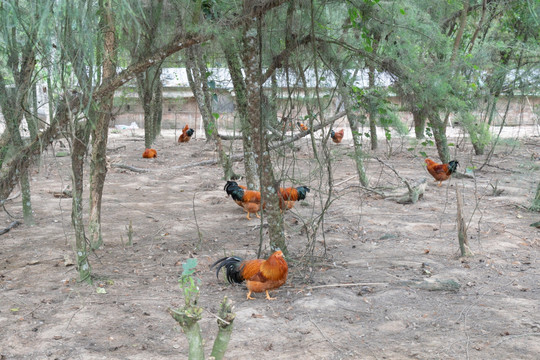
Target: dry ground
(385,253)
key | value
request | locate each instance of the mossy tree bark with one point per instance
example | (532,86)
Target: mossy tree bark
(269,192)
(22,62)
(419,119)
(231,49)
(352,116)
(196,73)
(98,166)
(373,111)
(148,86)
(142,43)
(438,127)
(79,143)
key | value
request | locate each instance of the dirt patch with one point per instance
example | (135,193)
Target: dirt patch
(371,296)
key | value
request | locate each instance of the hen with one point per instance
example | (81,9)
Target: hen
(290,195)
(441,172)
(186,134)
(149,154)
(302,126)
(337,136)
(260,275)
(249,200)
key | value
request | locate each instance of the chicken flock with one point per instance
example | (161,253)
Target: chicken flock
(263,275)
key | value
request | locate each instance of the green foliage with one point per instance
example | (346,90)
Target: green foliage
(478,131)
(375,100)
(188,284)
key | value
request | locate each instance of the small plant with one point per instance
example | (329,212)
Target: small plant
(478,131)
(130,233)
(189,315)
(536,202)
(188,284)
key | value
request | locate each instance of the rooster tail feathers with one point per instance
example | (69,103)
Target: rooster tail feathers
(233,268)
(302,191)
(452,166)
(332,133)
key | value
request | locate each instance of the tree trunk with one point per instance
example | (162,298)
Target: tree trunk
(439,133)
(373,113)
(149,89)
(24,158)
(13,104)
(235,69)
(79,143)
(197,77)
(352,116)
(32,118)
(419,118)
(268,185)
(196,71)
(157,106)
(98,166)
(461,227)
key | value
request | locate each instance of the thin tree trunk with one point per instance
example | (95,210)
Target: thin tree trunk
(439,133)
(419,118)
(145,94)
(98,167)
(459,35)
(24,158)
(235,69)
(157,105)
(373,113)
(32,117)
(352,117)
(196,70)
(13,104)
(79,143)
(150,92)
(149,81)
(251,59)
(461,227)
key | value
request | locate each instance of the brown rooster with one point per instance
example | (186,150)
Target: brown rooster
(288,196)
(441,172)
(186,134)
(260,275)
(149,154)
(302,126)
(337,136)
(249,200)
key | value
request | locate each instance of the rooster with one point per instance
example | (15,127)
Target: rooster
(441,172)
(302,126)
(249,200)
(186,134)
(149,154)
(337,136)
(260,275)
(288,196)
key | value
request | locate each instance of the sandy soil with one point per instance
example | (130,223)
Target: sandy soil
(385,256)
